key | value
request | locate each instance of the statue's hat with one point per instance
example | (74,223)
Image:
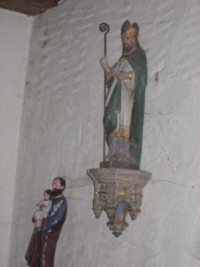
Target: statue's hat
(131,29)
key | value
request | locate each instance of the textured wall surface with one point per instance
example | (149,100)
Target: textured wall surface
(62,132)
(14,34)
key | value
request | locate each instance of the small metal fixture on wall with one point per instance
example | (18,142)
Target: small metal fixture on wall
(118,192)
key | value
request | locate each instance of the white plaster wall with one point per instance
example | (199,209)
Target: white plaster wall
(14,36)
(62,132)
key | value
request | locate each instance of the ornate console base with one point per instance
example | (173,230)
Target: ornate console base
(118,191)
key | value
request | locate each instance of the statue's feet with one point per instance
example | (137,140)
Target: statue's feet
(120,164)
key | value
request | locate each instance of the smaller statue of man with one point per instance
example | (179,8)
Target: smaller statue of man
(124,106)
(42,246)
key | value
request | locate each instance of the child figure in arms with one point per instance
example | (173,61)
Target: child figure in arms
(43,206)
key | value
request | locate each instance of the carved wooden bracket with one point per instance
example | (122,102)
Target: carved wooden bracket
(118,192)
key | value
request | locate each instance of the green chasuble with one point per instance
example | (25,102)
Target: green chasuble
(137,60)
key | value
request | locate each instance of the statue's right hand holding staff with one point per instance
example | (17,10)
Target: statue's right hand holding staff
(105,65)
(119,75)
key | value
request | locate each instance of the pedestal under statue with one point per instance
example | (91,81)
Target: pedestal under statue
(118,192)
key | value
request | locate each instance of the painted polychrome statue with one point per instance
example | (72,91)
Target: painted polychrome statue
(124,105)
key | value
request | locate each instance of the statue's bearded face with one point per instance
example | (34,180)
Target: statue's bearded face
(128,43)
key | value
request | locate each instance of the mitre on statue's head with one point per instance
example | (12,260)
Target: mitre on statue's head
(131,29)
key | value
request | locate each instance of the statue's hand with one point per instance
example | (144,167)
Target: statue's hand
(104,64)
(122,75)
(38,224)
